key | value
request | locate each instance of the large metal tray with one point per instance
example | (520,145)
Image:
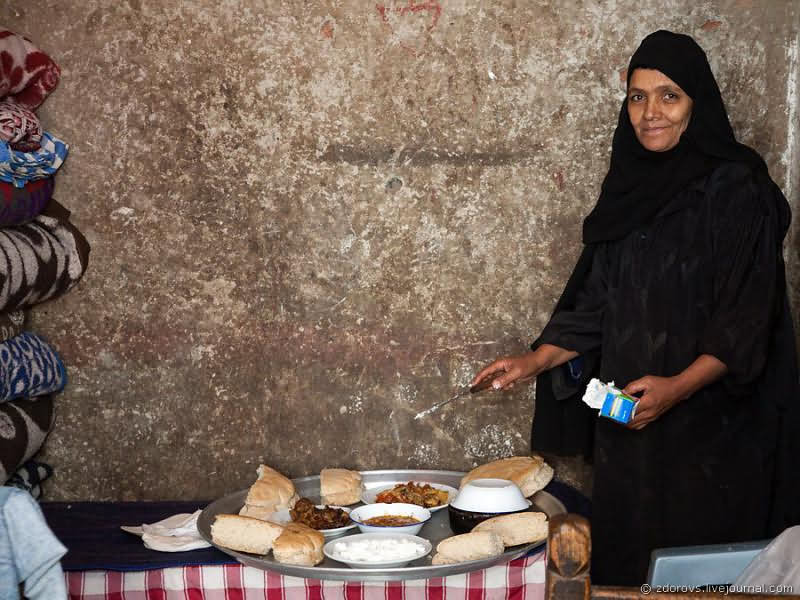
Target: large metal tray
(435,530)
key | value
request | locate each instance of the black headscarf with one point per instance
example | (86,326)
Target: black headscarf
(638,185)
(640,181)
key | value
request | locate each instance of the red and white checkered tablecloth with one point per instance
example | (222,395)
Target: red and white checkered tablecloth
(520,579)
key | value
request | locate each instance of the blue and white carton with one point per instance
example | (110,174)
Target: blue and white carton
(610,401)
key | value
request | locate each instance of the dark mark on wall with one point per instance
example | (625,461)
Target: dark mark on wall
(422,156)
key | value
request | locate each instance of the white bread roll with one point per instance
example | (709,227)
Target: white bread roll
(244,533)
(271,491)
(340,486)
(469,546)
(299,545)
(257,512)
(438,559)
(519,528)
(530,473)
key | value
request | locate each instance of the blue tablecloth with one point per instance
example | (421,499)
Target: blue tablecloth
(91,533)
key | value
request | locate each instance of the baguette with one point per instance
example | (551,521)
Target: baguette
(530,473)
(244,533)
(299,545)
(469,546)
(518,528)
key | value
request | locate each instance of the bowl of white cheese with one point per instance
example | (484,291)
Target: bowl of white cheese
(377,550)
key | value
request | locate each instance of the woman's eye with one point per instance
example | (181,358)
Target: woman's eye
(670,96)
(636,98)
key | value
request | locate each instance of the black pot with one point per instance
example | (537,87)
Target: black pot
(462,521)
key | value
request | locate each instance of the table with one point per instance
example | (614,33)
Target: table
(103,562)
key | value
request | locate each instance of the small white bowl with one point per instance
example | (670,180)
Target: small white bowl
(490,496)
(370,547)
(362,513)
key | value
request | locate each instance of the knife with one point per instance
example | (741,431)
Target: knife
(464,391)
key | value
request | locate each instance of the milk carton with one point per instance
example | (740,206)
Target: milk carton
(610,401)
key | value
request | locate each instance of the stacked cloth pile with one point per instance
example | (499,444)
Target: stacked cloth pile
(42,255)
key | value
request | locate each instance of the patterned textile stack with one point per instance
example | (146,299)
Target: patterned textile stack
(42,255)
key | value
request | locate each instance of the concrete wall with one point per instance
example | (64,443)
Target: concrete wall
(311,220)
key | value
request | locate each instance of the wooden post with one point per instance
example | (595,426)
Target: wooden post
(569,550)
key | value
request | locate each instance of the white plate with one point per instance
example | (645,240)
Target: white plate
(370,494)
(282,517)
(330,550)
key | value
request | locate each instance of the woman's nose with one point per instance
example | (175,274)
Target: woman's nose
(652,109)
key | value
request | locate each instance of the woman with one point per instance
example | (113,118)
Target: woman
(679,296)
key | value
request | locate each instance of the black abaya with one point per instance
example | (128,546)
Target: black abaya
(704,276)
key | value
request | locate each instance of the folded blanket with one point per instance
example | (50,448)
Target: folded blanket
(24,425)
(19,127)
(20,205)
(11,324)
(27,75)
(29,367)
(20,167)
(41,259)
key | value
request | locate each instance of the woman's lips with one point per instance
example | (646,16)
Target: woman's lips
(653,130)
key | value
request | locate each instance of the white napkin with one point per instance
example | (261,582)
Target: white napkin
(177,533)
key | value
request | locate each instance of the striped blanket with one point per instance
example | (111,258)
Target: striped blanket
(40,260)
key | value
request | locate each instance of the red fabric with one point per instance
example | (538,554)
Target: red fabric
(521,579)
(27,75)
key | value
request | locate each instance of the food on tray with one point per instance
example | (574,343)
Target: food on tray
(530,473)
(391,520)
(307,513)
(519,528)
(421,494)
(245,534)
(475,545)
(340,486)
(380,550)
(271,491)
(299,545)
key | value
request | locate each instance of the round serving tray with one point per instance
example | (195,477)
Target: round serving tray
(435,530)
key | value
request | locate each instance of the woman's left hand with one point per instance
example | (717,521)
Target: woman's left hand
(660,394)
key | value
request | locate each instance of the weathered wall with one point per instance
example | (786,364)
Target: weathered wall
(311,220)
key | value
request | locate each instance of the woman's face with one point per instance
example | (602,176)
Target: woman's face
(658,108)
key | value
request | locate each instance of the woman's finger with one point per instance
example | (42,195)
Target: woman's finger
(498,365)
(636,386)
(504,381)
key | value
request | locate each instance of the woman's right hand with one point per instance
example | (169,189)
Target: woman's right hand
(524,366)
(512,369)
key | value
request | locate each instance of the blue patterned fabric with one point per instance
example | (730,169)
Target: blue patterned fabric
(29,367)
(20,167)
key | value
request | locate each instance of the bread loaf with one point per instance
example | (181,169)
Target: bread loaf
(530,473)
(244,533)
(340,486)
(469,546)
(271,491)
(299,545)
(518,528)
(265,513)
